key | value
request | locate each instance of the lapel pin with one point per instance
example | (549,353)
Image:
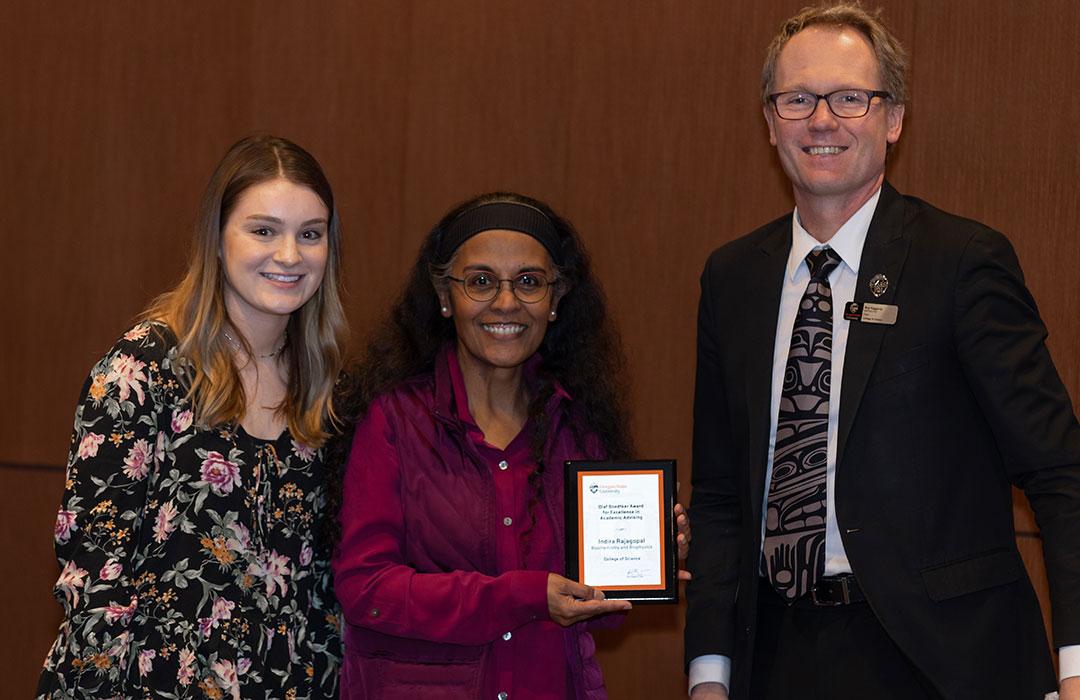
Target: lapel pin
(879,284)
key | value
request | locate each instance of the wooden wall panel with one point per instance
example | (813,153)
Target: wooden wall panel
(990,140)
(118,125)
(639,121)
(488,87)
(28,499)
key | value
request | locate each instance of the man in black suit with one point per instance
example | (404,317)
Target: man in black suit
(851,502)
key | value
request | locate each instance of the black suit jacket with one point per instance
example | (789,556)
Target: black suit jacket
(939,414)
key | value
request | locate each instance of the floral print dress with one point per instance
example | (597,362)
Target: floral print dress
(189,565)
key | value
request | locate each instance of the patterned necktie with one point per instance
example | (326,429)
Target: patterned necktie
(794,549)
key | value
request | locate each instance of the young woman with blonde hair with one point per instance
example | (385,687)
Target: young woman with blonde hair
(188,530)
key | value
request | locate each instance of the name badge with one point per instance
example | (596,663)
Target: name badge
(867,312)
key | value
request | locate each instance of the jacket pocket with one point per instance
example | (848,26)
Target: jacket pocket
(976,573)
(367,642)
(404,680)
(387,667)
(904,362)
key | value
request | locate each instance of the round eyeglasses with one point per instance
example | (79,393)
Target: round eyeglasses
(846,104)
(528,287)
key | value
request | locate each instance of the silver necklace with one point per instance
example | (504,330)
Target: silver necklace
(235,344)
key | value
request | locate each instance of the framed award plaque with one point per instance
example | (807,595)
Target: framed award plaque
(620,528)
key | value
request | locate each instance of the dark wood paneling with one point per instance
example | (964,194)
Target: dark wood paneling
(991,139)
(639,121)
(122,113)
(29,497)
(1032,553)
(488,91)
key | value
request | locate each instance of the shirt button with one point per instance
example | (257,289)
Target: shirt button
(507,636)
(503,465)
(503,695)
(374,612)
(508,521)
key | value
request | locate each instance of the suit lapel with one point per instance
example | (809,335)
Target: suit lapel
(884,252)
(765,274)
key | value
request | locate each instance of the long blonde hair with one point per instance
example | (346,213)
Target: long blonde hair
(195,308)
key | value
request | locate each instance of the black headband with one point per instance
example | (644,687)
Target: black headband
(508,216)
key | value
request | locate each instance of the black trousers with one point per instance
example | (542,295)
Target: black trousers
(807,652)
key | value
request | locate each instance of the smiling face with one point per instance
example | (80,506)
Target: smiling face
(503,332)
(274,250)
(834,161)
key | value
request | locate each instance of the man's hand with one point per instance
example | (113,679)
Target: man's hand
(709,691)
(682,523)
(570,601)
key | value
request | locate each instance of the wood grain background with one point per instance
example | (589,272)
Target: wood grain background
(639,121)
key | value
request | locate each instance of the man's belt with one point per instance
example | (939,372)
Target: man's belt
(842,589)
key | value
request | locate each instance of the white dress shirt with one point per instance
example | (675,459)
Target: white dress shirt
(848,244)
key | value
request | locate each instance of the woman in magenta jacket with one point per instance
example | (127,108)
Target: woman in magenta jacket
(496,364)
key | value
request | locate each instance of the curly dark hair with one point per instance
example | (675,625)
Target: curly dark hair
(582,352)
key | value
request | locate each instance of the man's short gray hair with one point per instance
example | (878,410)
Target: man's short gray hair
(891,57)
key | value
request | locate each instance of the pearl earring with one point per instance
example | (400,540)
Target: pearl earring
(551,315)
(445,310)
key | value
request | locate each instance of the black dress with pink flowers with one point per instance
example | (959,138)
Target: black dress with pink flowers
(189,555)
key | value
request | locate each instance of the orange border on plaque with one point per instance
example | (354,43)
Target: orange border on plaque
(659,473)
